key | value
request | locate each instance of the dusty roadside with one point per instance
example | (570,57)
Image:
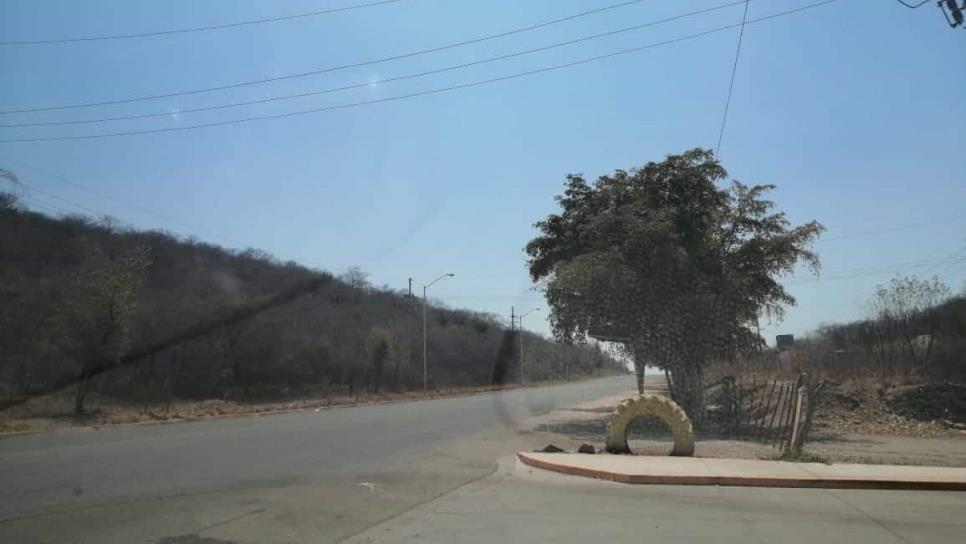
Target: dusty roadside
(869,437)
(53,413)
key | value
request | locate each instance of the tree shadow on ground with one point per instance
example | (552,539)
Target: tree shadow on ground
(644,428)
(595,429)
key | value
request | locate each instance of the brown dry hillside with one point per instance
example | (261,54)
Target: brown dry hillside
(74,292)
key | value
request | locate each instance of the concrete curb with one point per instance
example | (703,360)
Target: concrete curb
(816,482)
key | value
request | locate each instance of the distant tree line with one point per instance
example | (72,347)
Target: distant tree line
(915,331)
(78,294)
(914,326)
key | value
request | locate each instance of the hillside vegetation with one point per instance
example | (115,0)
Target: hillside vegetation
(898,371)
(172,318)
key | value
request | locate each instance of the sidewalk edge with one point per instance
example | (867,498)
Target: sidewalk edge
(740,481)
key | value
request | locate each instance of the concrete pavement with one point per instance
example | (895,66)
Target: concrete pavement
(523,505)
(630,469)
(299,477)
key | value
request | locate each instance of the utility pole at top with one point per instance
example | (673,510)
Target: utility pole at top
(513,320)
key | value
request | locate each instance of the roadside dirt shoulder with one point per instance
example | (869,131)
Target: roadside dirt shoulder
(584,423)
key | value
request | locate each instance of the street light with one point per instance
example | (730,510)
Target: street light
(425,380)
(528,312)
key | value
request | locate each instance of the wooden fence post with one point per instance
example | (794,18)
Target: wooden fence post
(796,422)
(812,394)
(751,400)
(769,428)
(766,406)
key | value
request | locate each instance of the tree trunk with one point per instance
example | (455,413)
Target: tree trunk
(670,384)
(20,387)
(812,396)
(639,371)
(81,392)
(395,371)
(173,377)
(689,393)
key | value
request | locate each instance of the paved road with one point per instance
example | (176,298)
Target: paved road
(421,471)
(300,477)
(523,505)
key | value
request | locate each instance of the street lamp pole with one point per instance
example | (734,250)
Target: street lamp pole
(521,342)
(425,374)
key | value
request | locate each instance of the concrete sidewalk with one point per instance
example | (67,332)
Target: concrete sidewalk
(632,469)
(522,505)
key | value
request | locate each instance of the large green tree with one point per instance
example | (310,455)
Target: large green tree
(669,264)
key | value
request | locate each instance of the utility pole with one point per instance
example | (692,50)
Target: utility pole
(522,370)
(410,288)
(425,381)
(425,373)
(513,324)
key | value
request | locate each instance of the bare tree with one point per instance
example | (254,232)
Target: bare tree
(381,339)
(356,278)
(905,327)
(100,311)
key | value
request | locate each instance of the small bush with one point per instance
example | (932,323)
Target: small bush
(931,402)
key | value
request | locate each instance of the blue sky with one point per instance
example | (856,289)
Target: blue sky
(853,109)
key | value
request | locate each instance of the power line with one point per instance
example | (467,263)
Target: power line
(803,278)
(385,80)
(879,267)
(908,5)
(199,28)
(837,275)
(33,188)
(159,215)
(896,229)
(731,86)
(852,273)
(419,93)
(872,271)
(97,213)
(332,68)
(949,263)
(36,203)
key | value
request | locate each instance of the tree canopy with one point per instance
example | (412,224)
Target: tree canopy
(666,262)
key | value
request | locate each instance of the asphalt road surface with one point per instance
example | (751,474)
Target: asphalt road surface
(300,477)
(410,472)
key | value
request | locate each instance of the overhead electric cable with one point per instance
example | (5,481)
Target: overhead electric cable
(418,93)
(328,69)
(731,86)
(197,28)
(378,81)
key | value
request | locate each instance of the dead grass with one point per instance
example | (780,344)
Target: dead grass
(861,407)
(855,426)
(56,411)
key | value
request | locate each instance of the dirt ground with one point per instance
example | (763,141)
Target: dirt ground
(55,412)
(891,441)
